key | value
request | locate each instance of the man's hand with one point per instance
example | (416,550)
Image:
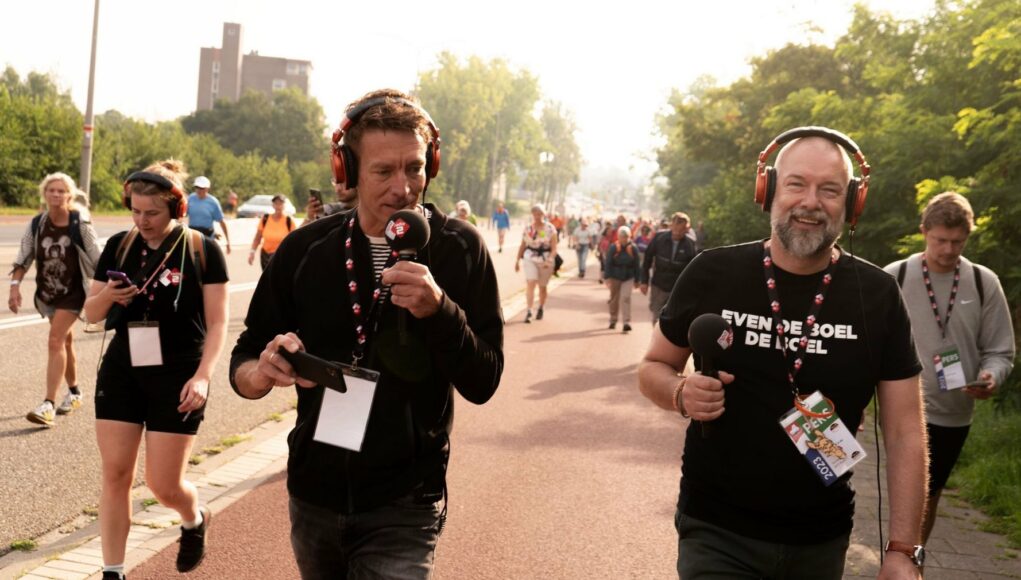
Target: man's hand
(982,393)
(517,265)
(412,287)
(312,209)
(14,301)
(702,396)
(645,289)
(273,370)
(897,566)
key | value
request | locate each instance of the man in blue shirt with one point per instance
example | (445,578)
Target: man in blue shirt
(204,210)
(502,221)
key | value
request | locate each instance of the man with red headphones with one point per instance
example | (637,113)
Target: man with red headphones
(370,500)
(765,488)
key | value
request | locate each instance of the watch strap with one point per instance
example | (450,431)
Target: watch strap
(909,550)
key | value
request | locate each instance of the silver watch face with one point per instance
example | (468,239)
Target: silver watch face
(919,556)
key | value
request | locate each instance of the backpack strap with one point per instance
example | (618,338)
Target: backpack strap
(36,222)
(197,245)
(75,225)
(265,218)
(290,224)
(978,285)
(122,248)
(901,272)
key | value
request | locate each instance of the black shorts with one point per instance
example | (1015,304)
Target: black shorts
(147,396)
(945,444)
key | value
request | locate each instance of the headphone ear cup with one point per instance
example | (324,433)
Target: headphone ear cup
(430,162)
(337,164)
(767,200)
(857,192)
(350,164)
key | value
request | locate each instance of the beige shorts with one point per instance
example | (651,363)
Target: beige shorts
(540,271)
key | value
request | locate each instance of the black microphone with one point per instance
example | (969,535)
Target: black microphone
(407,232)
(709,335)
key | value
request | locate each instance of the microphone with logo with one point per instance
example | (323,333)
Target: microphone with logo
(709,335)
(407,232)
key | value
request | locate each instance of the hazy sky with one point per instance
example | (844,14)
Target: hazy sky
(612,65)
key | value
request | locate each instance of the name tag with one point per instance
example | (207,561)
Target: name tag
(949,369)
(822,438)
(144,344)
(344,417)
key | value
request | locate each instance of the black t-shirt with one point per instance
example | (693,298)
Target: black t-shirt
(747,476)
(182,332)
(59,277)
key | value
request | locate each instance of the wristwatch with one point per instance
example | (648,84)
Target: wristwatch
(15,282)
(916,553)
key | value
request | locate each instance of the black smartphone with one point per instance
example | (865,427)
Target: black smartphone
(114,275)
(977,384)
(320,371)
(316,195)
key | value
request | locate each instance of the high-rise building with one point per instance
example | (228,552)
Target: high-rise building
(226,73)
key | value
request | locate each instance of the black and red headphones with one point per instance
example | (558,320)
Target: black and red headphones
(343,160)
(178,207)
(857,188)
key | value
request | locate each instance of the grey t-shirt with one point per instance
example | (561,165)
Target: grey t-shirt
(980,329)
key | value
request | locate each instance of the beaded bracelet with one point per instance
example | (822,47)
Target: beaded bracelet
(677,394)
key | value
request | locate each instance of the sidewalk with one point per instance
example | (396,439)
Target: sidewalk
(245,486)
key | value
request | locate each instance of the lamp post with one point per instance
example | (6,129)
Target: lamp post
(546,159)
(85,175)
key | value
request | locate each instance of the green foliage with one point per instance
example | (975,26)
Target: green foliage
(988,473)
(40,133)
(24,545)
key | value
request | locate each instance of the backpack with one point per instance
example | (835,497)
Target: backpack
(290,225)
(194,240)
(74,224)
(902,271)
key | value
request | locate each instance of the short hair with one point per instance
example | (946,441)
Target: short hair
(173,170)
(680,216)
(848,166)
(950,210)
(277,198)
(58,176)
(539,207)
(463,204)
(623,230)
(393,114)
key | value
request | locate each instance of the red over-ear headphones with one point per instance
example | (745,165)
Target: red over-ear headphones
(178,207)
(343,160)
(857,189)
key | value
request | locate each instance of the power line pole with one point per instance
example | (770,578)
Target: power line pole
(86,169)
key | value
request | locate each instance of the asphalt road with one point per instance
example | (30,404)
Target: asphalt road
(50,475)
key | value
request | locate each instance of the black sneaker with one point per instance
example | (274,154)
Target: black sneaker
(113,576)
(613,325)
(528,317)
(538,315)
(627,328)
(193,544)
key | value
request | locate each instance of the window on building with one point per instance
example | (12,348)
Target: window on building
(292,68)
(216,67)
(304,69)
(279,84)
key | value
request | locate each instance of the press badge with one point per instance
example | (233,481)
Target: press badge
(830,449)
(949,369)
(144,344)
(343,417)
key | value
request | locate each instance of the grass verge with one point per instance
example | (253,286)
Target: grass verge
(989,472)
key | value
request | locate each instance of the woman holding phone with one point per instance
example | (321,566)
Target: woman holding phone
(62,244)
(170,317)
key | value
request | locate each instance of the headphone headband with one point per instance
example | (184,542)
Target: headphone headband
(826,133)
(178,207)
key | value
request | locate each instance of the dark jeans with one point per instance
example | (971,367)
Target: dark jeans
(393,541)
(945,445)
(264,258)
(706,551)
(582,250)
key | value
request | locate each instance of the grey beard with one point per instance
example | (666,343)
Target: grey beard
(808,244)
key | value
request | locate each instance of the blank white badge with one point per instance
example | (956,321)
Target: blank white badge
(144,344)
(344,416)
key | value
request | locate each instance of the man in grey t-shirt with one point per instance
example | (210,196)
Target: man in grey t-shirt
(963,331)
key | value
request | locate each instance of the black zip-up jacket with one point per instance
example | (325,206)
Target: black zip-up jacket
(305,290)
(669,265)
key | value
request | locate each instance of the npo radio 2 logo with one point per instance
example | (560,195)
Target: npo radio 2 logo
(397,229)
(726,339)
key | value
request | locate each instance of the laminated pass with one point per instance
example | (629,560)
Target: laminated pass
(822,438)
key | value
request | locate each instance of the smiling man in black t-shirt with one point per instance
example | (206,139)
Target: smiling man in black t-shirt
(754,501)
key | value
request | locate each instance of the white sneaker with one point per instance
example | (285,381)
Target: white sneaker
(93,327)
(42,415)
(70,403)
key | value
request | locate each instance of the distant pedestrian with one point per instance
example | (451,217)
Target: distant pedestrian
(464,212)
(62,244)
(584,238)
(232,203)
(204,211)
(668,254)
(171,323)
(608,237)
(538,251)
(502,220)
(621,271)
(272,230)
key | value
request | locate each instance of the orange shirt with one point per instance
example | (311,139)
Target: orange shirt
(274,230)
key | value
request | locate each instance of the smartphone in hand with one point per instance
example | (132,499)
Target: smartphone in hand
(977,384)
(320,371)
(121,277)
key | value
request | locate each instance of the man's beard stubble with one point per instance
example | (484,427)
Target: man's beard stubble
(806,244)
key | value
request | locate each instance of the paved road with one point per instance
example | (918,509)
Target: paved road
(51,475)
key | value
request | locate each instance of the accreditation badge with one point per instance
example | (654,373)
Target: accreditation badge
(814,427)
(344,416)
(144,344)
(949,369)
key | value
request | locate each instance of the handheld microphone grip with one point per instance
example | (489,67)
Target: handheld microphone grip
(406,232)
(709,335)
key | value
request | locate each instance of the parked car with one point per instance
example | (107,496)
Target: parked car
(260,205)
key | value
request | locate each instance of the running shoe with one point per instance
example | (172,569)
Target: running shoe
(627,327)
(538,315)
(42,415)
(193,544)
(528,317)
(70,404)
